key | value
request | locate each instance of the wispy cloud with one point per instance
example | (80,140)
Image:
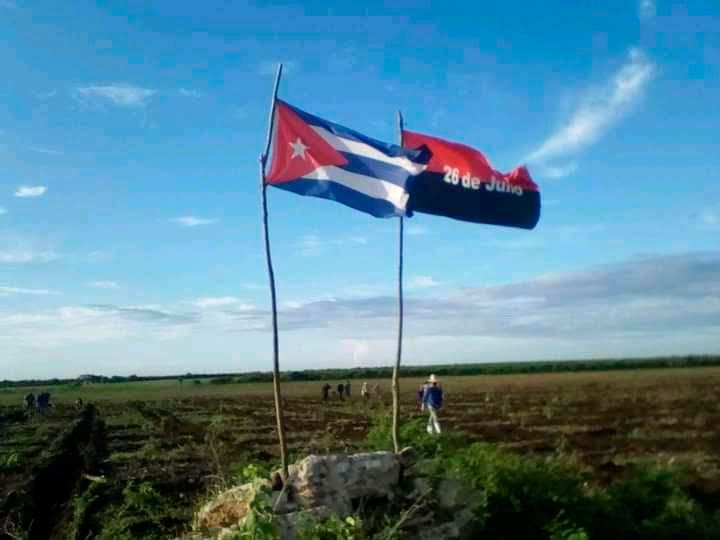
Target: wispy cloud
(144,314)
(90,324)
(103,284)
(49,151)
(192,221)
(311,244)
(253,286)
(643,296)
(416,230)
(8,4)
(99,256)
(269,67)
(555,171)
(188,92)
(596,114)
(216,301)
(638,301)
(565,234)
(30,191)
(646,10)
(3,210)
(7,291)
(710,218)
(118,94)
(24,255)
(518,243)
(48,94)
(421,282)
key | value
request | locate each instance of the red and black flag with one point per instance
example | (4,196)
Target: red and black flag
(460,183)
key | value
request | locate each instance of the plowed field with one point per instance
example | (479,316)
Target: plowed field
(71,469)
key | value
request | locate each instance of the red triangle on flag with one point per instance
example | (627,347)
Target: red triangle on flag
(297,149)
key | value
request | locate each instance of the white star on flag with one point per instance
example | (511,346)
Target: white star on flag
(298,148)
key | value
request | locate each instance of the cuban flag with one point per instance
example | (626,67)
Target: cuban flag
(315,157)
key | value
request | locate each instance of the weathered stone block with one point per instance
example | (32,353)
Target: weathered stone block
(335,480)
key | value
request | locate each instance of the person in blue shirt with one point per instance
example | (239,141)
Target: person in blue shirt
(432,400)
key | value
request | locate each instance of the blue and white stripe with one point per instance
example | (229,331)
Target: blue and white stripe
(375,178)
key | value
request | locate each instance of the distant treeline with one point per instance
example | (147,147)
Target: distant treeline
(498,368)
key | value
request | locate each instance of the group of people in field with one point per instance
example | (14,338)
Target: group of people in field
(430,396)
(344,390)
(41,402)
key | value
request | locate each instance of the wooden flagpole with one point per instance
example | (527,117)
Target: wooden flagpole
(398,358)
(271,277)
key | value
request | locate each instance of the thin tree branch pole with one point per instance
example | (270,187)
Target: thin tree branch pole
(271,277)
(398,358)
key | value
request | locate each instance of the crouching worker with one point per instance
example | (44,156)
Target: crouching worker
(433,400)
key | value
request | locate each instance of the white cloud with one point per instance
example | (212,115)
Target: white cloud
(422,282)
(69,325)
(30,191)
(41,150)
(103,284)
(119,94)
(518,243)
(6,291)
(25,255)
(9,4)
(187,92)
(555,171)
(253,286)
(99,256)
(416,230)
(218,301)
(192,221)
(595,115)
(311,244)
(3,210)
(646,10)
(661,304)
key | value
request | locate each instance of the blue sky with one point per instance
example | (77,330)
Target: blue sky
(129,219)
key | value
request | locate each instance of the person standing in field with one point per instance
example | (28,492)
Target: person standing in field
(43,402)
(347,389)
(364,390)
(325,391)
(340,390)
(433,400)
(30,401)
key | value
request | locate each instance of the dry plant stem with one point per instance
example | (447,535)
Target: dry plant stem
(398,358)
(407,514)
(271,278)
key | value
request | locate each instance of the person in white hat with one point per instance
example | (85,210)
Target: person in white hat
(433,400)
